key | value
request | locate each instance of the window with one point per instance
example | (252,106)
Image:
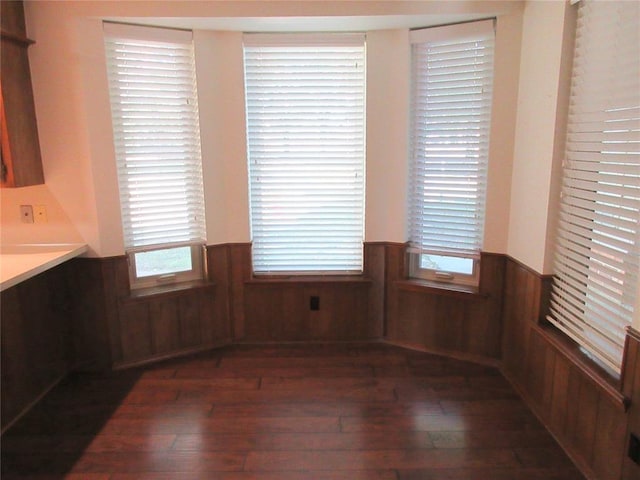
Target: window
(452,77)
(154,110)
(305,100)
(598,238)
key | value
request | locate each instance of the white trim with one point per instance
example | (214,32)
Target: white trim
(458,32)
(302,39)
(148,34)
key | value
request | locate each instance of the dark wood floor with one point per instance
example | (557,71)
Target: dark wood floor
(314,412)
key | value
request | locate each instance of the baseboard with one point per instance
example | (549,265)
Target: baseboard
(171,355)
(467,357)
(32,404)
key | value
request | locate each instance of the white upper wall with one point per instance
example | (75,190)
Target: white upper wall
(540,130)
(72,106)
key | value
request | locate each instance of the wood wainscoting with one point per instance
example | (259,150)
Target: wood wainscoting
(115,327)
(277,309)
(585,411)
(631,390)
(36,342)
(442,320)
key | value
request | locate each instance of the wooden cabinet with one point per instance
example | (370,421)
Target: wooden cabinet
(21,160)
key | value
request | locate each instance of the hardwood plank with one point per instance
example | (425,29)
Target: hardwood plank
(68,476)
(491,439)
(484,407)
(281,475)
(194,410)
(441,423)
(365,394)
(166,462)
(280,372)
(332,409)
(377,459)
(304,442)
(89,443)
(372,360)
(492,473)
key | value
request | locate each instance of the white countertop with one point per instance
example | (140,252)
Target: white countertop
(21,262)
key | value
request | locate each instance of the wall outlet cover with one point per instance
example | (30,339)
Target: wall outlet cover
(26,213)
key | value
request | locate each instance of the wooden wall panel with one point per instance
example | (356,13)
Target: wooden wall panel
(394,271)
(165,325)
(135,332)
(219,306)
(90,310)
(239,274)
(631,387)
(439,320)
(190,322)
(136,328)
(586,415)
(280,311)
(35,335)
(375,268)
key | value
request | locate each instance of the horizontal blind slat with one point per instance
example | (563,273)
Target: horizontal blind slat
(597,252)
(157,140)
(305,128)
(451,104)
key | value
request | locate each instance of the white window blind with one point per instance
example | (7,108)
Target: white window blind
(305,100)
(156,134)
(597,252)
(452,78)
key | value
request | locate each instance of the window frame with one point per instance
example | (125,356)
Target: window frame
(197,271)
(444,276)
(458,32)
(194,231)
(260,264)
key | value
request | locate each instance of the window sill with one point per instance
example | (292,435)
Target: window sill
(167,290)
(307,279)
(440,288)
(608,384)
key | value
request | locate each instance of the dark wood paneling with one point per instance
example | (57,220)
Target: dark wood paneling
(394,271)
(239,273)
(583,411)
(166,330)
(280,311)
(91,306)
(135,331)
(440,321)
(631,387)
(375,269)
(152,325)
(12,18)
(36,343)
(218,306)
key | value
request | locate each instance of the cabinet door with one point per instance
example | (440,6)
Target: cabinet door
(6,166)
(25,165)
